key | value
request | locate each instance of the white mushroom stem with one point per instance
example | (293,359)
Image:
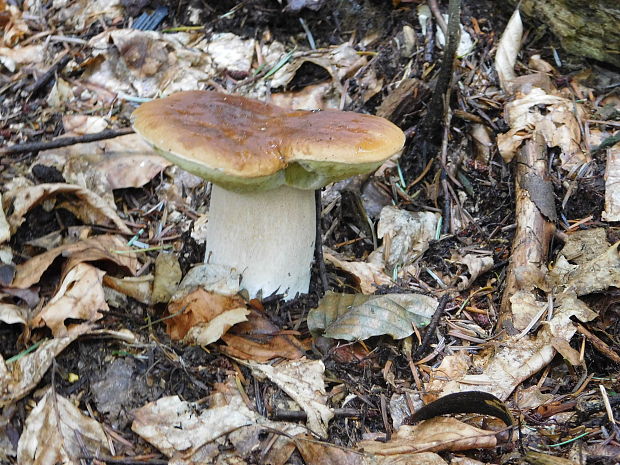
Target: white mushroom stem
(267,236)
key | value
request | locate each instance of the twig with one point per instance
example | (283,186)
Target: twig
(300,415)
(599,344)
(49,75)
(64,141)
(430,329)
(432,4)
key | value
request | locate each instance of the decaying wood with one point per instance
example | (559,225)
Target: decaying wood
(584,28)
(534,230)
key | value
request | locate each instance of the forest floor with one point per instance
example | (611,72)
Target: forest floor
(96,362)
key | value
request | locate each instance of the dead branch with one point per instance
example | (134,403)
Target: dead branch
(64,141)
(530,245)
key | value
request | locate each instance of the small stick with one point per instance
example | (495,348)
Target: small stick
(430,329)
(64,141)
(49,75)
(300,415)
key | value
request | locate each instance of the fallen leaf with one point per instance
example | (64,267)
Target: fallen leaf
(136,287)
(508,49)
(198,309)
(476,265)
(20,377)
(303,381)
(12,314)
(80,297)
(437,434)
(357,317)
(184,432)
(585,245)
(405,235)
(258,340)
(597,274)
(219,279)
(554,117)
(14,58)
(56,431)
(167,277)
(110,248)
(368,275)
(518,358)
(91,208)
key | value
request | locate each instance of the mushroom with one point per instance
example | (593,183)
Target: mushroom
(265,163)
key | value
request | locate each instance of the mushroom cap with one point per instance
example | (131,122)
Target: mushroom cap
(244,144)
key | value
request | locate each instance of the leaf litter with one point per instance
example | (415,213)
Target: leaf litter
(212,369)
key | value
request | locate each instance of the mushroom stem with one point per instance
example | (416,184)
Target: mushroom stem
(267,236)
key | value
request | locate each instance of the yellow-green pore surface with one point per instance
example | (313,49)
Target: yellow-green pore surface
(243,144)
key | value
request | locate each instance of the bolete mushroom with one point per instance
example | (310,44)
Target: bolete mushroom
(265,163)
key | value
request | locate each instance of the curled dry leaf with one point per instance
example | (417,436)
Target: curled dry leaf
(554,117)
(56,431)
(167,277)
(437,434)
(405,235)
(258,339)
(357,317)
(199,309)
(80,297)
(20,377)
(187,434)
(136,287)
(14,58)
(90,209)
(584,245)
(476,265)
(368,275)
(303,381)
(507,51)
(11,314)
(109,248)
(597,274)
(517,358)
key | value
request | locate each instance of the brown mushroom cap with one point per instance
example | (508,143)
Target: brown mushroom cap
(243,144)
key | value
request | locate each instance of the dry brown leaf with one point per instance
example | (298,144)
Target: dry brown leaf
(368,275)
(303,381)
(56,431)
(90,209)
(501,370)
(15,58)
(138,287)
(554,117)
(12,314)
(507,51)
(257,339)
(597,274)
(105,247)
(80,297)
(198,308)
(187,434)
(167,277)
(18,378)
(405,235)
(437,434)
